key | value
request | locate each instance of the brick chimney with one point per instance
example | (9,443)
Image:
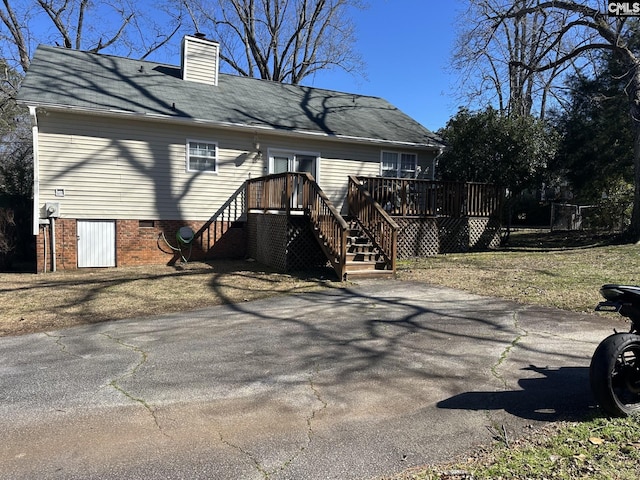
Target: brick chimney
(200,59)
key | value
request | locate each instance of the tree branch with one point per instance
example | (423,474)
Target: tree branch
(11,22)
(55,16)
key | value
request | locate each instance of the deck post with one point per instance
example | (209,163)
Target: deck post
(247,205)
(288,190)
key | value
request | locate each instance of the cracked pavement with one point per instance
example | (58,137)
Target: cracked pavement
(350,383)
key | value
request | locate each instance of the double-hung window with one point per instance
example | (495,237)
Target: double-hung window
(202,156)
(398,164)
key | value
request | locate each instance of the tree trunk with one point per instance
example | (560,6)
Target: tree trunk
(634,228)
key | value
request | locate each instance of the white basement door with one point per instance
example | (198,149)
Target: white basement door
(96,243)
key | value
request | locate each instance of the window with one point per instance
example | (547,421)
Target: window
(396,164)
(202,156)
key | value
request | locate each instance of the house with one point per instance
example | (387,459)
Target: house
(129,155)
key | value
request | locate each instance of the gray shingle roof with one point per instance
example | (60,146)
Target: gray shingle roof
(60,77)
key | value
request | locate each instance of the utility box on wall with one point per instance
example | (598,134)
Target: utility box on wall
(52,209)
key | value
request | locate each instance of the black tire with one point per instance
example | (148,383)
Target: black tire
(615,374)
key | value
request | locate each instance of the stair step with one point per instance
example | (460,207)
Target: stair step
(355,274)
(365,265)
(358,240)
(364,257)
(361,248)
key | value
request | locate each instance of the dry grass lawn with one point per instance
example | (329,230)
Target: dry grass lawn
(40,302)
(559,270)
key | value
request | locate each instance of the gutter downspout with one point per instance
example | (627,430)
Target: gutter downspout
(37,223)
(53,244)
(36,171)
(45,246)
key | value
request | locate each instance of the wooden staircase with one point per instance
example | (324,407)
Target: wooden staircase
(363,259)
(362,247)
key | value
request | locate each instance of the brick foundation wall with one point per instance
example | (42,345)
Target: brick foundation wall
(143,243)
(66,241)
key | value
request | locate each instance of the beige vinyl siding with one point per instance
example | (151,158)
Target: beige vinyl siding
(122,169)
(336,178)
(338,160)
(115,168)
(200,61)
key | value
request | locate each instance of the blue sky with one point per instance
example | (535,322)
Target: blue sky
(406,45)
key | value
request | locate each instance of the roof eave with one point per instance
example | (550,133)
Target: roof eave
(229,125)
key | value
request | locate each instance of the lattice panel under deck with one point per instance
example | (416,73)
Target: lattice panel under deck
(423,237)
(284,243)
(270,240)
(303,251)
(454,235)
(484,233)
(417,237)
(288,244)
(252,236)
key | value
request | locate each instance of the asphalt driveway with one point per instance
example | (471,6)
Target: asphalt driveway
(348,383)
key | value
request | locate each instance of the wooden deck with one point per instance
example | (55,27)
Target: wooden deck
(424,217)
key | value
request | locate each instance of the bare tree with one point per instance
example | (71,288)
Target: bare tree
(116,26)
(578,29)
(280,40)
(492,49)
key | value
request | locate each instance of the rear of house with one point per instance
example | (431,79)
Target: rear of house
(128,152)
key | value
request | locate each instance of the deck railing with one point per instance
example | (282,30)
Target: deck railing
(373,201)
(291,192)
(408,197)
(233,210)
(377,223)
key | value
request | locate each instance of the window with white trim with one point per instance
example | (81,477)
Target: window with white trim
(398,164)
(202,156)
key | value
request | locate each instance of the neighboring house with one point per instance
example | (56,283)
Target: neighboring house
(128,151)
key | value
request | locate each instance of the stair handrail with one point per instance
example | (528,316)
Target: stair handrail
(375,221)
(329,226)
(234,209)
(295,191)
